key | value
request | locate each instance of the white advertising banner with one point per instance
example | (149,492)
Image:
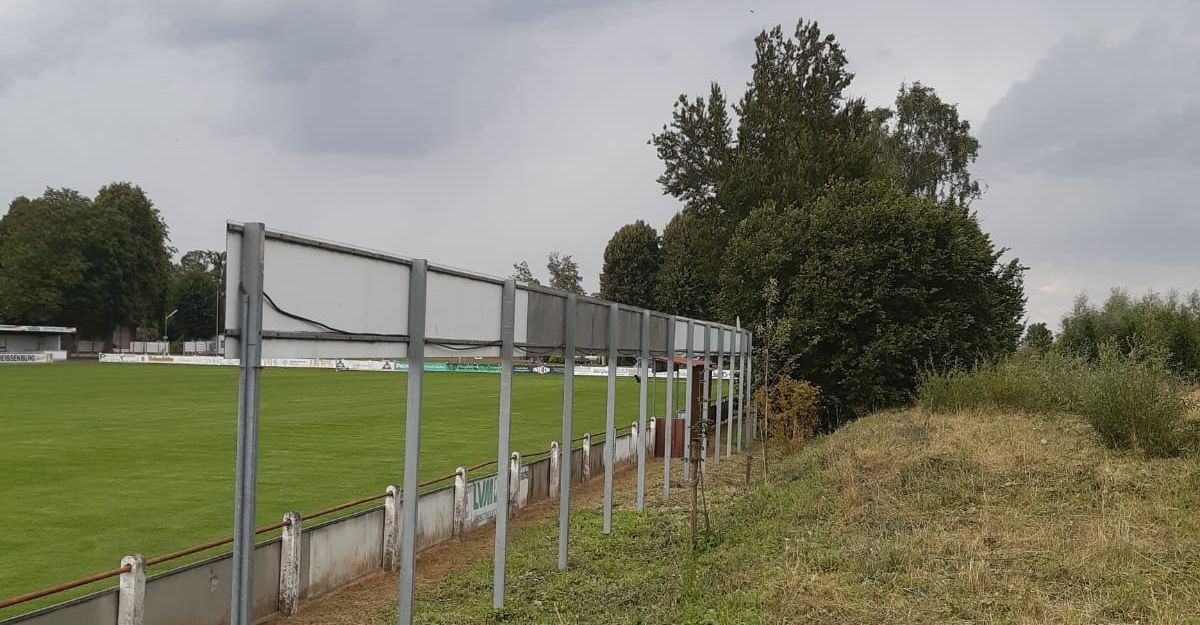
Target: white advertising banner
(25,359)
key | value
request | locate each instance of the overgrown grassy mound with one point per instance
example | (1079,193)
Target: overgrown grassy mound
(904,517)
(1132,400)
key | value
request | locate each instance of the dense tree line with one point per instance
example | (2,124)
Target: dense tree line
(841,231)
(1168,326)
(103,262)
(89,263)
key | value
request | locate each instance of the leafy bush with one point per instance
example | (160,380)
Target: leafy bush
(873,283)
(793,408)
(1133,399)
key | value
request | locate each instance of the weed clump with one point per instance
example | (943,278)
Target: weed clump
(1132,399)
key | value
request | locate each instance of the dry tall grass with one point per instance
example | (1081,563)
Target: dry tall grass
(975,518)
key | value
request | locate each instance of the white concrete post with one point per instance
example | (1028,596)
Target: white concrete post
(585,475)
(554,460)
(289,565)
(131,597)
(461,505)
(391,530)
(633,439)
(652,435)
(514,483)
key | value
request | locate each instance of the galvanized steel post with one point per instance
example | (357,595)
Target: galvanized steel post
(564,480)
(508,316)
(668,431)
(733,338)
(641,450)
(610,415)
(742,419)
(705,401)
(246,473)
(687,410)
(720,364)
(417,280)
(750,386)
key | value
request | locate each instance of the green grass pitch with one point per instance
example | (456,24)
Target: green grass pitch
(102,460)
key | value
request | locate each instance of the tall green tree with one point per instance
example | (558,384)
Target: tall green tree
(933,149)
(147,260)
(631,262)
(196,294)
(696,149)
(1038,336)
(564,272)
(798,130)
(42,263)
(691,264)
(83,263)
(522,273)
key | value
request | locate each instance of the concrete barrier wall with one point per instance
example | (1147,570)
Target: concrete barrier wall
(340,551)
(198,594)
(539,481)
(332,554)
(98,608)
(435,518)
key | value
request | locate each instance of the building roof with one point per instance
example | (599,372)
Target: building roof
(8,329)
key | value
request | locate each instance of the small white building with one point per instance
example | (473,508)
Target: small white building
(35,340)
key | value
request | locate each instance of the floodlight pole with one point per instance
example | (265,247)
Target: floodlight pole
(610,417)
(667,430)
(246,473)
(720,363)
(564,480)
(642,432)
(417,280)
(508,314)
(687,410)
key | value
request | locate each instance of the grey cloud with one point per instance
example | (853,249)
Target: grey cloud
(369,77)
(38,35)
(1094,108)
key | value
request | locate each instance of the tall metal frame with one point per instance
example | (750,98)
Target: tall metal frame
(406,337)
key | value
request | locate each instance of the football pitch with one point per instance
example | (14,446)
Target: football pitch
(102,460)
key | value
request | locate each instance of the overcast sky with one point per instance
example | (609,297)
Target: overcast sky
(479,133)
